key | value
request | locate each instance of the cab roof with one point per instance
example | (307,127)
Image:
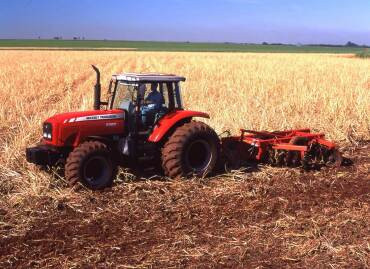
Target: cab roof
(147,77)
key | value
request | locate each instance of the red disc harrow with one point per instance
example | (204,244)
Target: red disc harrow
(280,148)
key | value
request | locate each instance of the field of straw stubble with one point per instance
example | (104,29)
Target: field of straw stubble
(269,218)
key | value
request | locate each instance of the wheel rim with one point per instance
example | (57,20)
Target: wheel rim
(96,170)
(198,155)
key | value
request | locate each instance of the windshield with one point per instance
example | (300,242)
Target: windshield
(124,93)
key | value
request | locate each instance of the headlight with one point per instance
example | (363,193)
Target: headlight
(47,130)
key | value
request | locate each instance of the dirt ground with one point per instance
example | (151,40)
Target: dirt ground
(273,218)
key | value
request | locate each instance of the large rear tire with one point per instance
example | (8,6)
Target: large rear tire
(91,164)
(192,150)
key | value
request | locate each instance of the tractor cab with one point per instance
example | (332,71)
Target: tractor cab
(145,98)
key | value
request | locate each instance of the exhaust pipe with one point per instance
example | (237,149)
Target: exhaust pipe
(97,89)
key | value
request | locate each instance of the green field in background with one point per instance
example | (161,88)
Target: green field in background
(170,46)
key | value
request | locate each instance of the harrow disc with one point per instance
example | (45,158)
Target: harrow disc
(334,159)
(319,155)
(316,156)
(294,157)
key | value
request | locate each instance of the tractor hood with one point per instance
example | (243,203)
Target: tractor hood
(79,116)
(72,128)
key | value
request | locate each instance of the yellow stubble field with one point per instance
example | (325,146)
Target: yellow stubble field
(327,93)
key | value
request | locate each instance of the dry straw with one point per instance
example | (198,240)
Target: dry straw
(275,215)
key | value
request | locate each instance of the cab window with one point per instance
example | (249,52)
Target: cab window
(124,93)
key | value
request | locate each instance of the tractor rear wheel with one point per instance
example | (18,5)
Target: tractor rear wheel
(192,149)
(91,164)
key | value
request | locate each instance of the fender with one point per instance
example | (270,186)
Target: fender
(169,120)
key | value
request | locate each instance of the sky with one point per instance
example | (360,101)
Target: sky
(242,21)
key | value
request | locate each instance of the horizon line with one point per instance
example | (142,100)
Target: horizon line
(195,42)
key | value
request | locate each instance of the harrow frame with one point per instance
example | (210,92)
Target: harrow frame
(256,145)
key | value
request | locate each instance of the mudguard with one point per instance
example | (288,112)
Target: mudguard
(169,120)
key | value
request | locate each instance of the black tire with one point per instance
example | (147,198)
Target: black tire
(91,164)
(192,149)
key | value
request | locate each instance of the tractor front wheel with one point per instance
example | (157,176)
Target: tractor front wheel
(191,150)
(91,164)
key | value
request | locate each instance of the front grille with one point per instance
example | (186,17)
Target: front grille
(47,130)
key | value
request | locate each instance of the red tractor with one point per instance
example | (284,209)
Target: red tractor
(131,129)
